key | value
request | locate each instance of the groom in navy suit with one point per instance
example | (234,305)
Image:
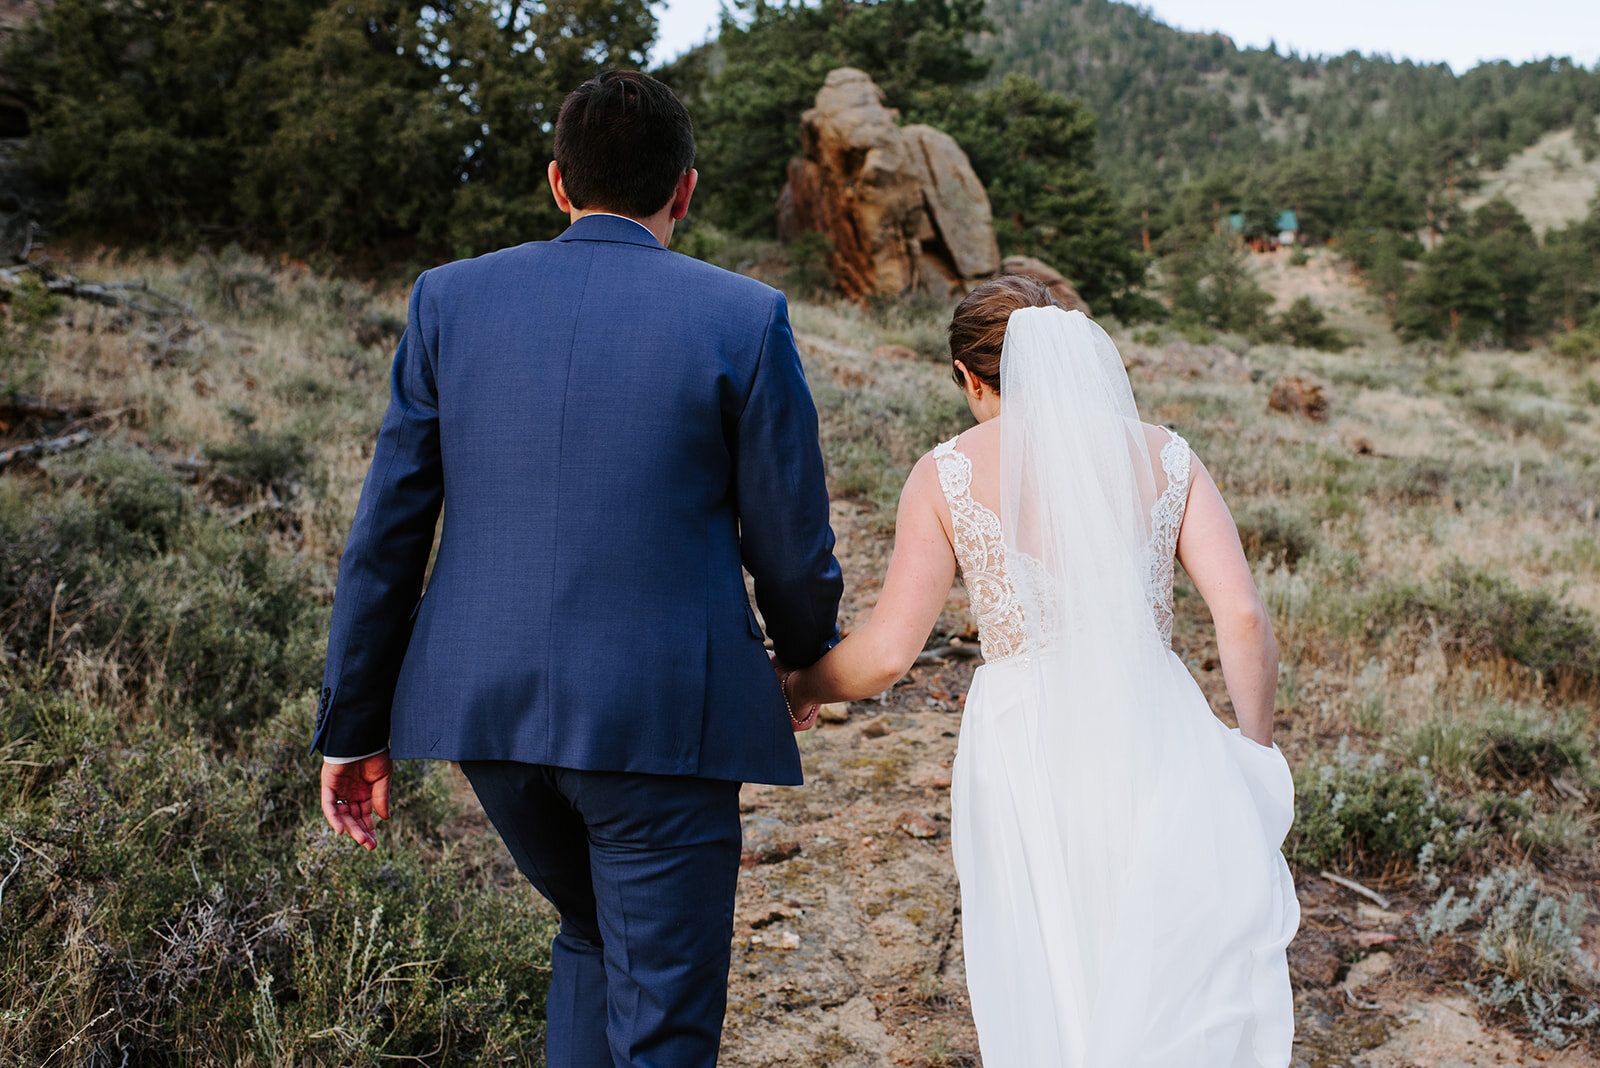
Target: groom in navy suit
(613,433)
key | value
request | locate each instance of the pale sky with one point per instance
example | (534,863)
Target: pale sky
(1459,32)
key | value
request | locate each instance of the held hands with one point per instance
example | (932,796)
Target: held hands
(801,717)
(353,793)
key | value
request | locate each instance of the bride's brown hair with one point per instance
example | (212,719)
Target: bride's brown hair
(978,328)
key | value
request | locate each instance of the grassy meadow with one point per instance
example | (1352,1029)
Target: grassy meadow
(168,892)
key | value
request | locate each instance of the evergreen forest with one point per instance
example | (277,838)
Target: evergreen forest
(382,136)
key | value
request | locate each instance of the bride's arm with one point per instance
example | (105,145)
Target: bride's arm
(1209,550)
(873,657)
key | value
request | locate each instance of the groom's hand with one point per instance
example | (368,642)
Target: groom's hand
(353,793)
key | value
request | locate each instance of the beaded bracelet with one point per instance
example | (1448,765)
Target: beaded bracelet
(811,710)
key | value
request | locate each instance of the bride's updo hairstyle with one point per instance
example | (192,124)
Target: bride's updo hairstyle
(978,328)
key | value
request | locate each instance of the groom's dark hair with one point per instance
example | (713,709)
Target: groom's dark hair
(623,140)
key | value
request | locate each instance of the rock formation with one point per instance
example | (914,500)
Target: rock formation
(901,207)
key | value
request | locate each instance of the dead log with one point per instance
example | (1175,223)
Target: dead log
(109,294)
(32,450)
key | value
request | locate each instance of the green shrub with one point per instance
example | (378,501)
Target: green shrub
(210,626)
(276,460)
(1581,345)
(235,283)
(1475,614)
(1527,744)
(1362,812)
(167,903)
(1304,324)
(1272,532)
(809,273)
(133,489)
(1498,413)
(1508,744)
(27,311)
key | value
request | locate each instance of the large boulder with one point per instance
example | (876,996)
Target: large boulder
(958,233)
(901,208)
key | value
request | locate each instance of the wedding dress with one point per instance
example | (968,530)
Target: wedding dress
(1125,903)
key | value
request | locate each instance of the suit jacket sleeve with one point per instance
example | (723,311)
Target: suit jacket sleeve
(386,555)
(786,539)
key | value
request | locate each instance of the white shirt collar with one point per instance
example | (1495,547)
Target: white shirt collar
(635,222)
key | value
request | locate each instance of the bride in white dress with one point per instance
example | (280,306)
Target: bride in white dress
(1125,903)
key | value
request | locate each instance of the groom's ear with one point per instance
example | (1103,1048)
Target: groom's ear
(558,188)
(683,193)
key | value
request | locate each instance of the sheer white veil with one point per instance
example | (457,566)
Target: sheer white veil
(1080,484)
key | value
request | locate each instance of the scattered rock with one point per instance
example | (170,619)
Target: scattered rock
(1373,916)
(1297,395)
(1446,1034)
(773,855)
(1040,271)
(1368,970)
(1368,939)
(838,713)
(875,729)
(916,825)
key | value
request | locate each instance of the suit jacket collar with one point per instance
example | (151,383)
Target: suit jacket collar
(610,228)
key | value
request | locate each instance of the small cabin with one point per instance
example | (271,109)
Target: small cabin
(1288,232)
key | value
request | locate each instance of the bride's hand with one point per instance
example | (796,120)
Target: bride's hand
(802,716)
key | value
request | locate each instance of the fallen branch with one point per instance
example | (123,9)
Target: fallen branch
(1350,884)
(110,294)
(45,447)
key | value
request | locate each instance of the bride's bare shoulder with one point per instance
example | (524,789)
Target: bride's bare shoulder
(1156,437)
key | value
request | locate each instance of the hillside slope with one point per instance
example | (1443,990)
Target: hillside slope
(1173,104)
(1549,182)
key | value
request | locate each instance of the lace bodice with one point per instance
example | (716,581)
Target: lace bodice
(986,570)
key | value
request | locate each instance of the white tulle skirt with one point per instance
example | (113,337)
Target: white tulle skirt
(1124,898)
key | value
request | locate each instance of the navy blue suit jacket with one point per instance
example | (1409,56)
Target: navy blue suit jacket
(614,432)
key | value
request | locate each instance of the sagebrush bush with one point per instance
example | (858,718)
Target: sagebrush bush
(1362,812)
(1274,532)
(132,488)
(278,459)
(1529,945)
(167,901)
(1505,743)
(210,625)
(235,283)
(1475,614)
